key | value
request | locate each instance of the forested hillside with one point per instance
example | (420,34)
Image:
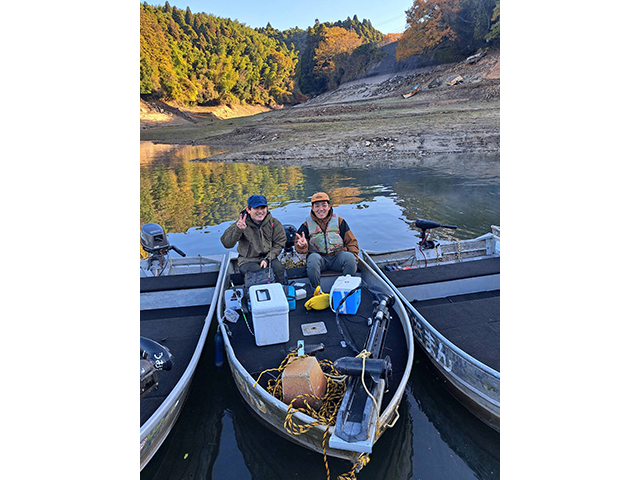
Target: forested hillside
(201,59)
(208,60)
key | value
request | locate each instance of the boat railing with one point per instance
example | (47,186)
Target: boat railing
(446,252)
(185,265)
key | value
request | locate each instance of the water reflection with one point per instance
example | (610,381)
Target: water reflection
(195,201)
(453,441)
(264,453)
(217,436)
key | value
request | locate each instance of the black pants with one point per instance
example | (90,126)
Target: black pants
(276,266)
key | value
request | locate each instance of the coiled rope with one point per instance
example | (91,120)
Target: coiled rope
(327,413)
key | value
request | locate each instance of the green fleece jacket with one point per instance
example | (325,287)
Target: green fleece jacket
(256,243)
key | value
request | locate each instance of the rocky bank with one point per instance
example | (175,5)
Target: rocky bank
(366,120)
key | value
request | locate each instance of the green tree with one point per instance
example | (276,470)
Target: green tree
(494,32)
(200,58)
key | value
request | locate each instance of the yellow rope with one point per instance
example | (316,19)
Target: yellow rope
(359,465)
(327,413)
(364,355)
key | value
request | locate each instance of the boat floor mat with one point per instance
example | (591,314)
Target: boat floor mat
(256,359)
(471,322)
(179,331)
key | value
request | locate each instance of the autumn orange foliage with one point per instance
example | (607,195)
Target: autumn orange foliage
(390,38)
(335,41)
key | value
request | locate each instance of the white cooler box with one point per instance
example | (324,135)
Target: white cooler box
(270,312)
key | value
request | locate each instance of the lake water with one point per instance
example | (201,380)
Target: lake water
(195,201)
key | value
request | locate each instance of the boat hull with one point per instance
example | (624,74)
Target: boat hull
(157,430)
(474,384)
(273,412)
(475,387)
(160,294)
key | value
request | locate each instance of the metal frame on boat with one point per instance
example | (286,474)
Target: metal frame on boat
(180,288)
(474,383)
(273,412)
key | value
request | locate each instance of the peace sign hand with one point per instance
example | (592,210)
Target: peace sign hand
(301,241)
(241,224)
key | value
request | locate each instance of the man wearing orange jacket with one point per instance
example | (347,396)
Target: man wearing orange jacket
(328,241)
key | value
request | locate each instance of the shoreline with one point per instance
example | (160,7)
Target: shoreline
(362,121)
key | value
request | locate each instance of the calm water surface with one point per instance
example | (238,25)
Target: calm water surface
(216,435)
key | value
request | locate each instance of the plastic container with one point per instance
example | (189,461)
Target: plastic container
(230,315)
(290,293)
(233,298)
(270,313)
(340,289)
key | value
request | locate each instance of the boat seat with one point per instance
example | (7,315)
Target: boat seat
(443,273)
(292,273)
(301,272)
(178,282)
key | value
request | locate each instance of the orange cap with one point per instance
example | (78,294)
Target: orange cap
(319,197)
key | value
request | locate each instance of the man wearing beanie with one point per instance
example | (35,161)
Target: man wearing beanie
(260,238)
(328,241)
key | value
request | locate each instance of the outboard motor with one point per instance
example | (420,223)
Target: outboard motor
(291,231)
(154,241)
(357,411)
(425,226)
(157,354)
(153,357)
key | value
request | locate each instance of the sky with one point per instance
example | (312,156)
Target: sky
(387,16)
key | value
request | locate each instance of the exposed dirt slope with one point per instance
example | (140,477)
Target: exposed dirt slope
(363,120)
(156,113)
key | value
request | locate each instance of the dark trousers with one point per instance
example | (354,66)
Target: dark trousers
(344,262)
(276,266)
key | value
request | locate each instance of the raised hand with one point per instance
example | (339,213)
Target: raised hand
(301,240)
(241,224)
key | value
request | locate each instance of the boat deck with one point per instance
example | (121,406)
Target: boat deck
(471,322)
(178,329)
(256,359)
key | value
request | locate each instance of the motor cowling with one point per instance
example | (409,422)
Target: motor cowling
(153,238)
(426,225)
(158,355)
(375,367)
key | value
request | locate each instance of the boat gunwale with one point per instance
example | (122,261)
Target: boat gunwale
(184,382)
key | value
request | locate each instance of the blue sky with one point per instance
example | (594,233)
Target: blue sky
(387,16)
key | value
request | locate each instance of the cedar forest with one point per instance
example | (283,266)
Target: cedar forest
(201,59)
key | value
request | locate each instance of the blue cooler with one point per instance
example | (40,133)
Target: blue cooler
(340,289)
